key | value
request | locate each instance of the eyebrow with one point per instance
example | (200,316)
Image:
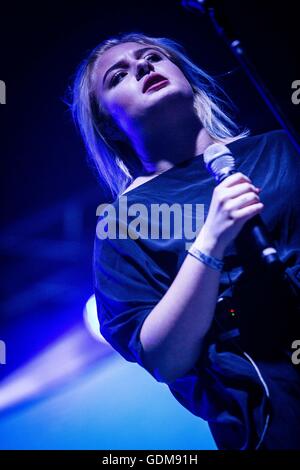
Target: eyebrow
(138,53)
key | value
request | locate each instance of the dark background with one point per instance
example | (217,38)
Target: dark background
(49,195)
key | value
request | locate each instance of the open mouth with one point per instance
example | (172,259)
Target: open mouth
(154,82)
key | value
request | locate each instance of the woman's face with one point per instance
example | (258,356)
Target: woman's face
(137,85)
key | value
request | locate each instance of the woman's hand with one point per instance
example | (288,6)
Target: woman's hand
(234,201)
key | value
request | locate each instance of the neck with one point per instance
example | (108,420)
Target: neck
(167,145)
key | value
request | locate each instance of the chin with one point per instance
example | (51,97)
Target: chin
(170,97)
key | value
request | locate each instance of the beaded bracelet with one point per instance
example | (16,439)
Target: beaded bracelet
(210,261)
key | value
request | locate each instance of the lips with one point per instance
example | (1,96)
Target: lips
(153,79)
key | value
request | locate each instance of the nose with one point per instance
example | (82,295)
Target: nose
(143,67)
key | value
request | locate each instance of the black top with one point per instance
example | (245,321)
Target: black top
(225,387)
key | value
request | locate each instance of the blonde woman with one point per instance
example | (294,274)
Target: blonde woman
(147,113)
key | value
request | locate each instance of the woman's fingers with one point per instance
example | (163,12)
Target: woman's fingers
(247,212)
(234,179)
(234,201)
(239,189)
(241,201)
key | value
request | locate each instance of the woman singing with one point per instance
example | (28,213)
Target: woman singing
(217,331)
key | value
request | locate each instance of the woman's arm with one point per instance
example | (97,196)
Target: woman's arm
(172,334)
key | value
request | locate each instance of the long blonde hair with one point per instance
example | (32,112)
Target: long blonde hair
(117,165)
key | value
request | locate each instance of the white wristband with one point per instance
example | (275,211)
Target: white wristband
(208,260)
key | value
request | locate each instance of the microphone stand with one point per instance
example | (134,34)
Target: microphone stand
(221,25)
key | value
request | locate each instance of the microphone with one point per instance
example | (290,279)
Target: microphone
(254,237)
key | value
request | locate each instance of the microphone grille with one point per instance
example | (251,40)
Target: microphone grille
(218,159)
